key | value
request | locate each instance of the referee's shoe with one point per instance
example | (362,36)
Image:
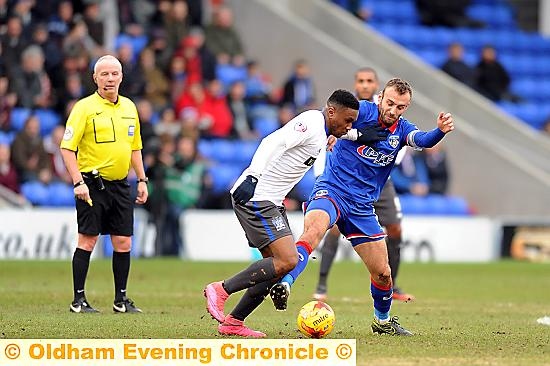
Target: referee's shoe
(125,305)
(82,305)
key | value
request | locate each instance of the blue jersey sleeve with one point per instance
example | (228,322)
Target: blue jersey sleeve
(367,111)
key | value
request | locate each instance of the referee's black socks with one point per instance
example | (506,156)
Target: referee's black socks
(121,269)
(81,263)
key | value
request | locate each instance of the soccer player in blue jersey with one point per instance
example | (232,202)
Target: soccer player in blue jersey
(345,193)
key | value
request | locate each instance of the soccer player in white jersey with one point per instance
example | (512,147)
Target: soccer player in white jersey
(279,163)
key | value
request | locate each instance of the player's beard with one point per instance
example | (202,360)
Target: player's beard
(387,119)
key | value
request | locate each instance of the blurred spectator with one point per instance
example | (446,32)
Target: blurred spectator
(94,21)
(257,87)
(448,13)
(27,150)
(222,38)
(178,77)
(493,80)
(222,120)
(30,81)
(176,24)
(168,124)
(52,147)
(8,173)
(134,80)
(456,67)
(411,176)
(52,55)
(134,35)
(22,10)
(286,113)
(159,45)
(3,14)
(214,116)
(242,124)
(60,22)
(72,90)
(157,85)
(195,12)
(13,43)
(208,60)
(146,128)
(438,172)
(298,90)
(7,102)
(78,42)
(183,183)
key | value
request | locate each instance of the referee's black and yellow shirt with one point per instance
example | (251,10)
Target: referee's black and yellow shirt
(104,134)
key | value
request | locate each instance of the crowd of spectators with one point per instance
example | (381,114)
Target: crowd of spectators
(184,66)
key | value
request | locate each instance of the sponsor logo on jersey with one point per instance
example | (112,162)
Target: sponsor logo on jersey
(310,161)
(377,157)
(322,192)
(279,223)
(393,140)
(300,127)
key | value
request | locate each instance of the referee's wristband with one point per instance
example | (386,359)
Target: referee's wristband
(80,183)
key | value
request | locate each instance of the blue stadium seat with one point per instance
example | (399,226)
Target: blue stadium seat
(36,192)
(223,177)
(228,74)
(264,126)
(6,138)
(61,194)
(18,117)
(48,120)
(245,152)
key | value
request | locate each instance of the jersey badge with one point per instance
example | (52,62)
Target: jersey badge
(300,127)
(69,132)
(131,130)
(279,223)
(394,141)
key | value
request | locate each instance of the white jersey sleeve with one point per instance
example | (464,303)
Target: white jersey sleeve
(283,157)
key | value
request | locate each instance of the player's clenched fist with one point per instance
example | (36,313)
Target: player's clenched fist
(445,122)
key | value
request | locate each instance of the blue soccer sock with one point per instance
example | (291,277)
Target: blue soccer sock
(304,250)
(382,297)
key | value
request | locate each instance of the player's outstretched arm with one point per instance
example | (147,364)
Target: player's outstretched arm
(422,139)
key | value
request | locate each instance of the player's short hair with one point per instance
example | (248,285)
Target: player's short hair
(400,85)
(343,98)
(367,69)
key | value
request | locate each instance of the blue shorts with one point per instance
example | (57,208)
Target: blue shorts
(357,222)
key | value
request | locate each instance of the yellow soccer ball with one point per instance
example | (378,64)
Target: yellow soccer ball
(316,319)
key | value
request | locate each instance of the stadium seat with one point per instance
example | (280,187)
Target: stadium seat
(18,118)
(36,192)
(264,126)
(60,194)
(223,177)
(48,120)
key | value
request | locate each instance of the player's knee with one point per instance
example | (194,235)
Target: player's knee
(289,263)
(394,231)
(86,242)
(383,277)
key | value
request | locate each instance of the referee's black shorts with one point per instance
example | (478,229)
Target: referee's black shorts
(112,211)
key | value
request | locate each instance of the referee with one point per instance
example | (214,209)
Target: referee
(102,139)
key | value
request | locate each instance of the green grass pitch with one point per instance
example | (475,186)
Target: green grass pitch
(465,314)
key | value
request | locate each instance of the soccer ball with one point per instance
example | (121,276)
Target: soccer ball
(316,319)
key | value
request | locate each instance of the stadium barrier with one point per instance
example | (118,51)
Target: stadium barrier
(212,235)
